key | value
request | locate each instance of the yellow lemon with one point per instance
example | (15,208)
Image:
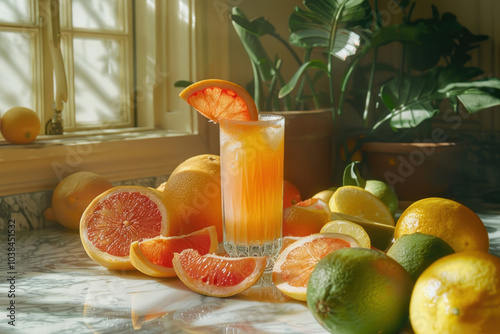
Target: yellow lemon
(458,294)
(347,227)
(72,196)
(359,202)
(453,222)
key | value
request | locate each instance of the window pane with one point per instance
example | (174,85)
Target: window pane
(15,11)
(97,81)
(15,65)
(98,14)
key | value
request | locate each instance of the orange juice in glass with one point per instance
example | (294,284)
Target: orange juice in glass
(251,154)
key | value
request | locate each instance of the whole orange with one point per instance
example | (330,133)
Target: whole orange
(291,194)
(193,190)
(20,125)
(449,220)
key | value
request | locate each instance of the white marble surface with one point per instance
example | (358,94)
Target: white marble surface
(58,289)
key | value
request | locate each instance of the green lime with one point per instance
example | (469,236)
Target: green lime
(385,193)
(416,251)
(359,291)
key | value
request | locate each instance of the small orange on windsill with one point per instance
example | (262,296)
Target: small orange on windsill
(220,99)
(118,217)
(154,256)
(217,276)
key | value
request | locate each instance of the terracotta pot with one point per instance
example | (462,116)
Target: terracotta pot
(414,170)
(309,154)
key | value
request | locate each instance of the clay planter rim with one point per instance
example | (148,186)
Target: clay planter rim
(405,147)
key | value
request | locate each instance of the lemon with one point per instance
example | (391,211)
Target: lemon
(359,290)
(453,222)
(415,252)
(458,294)
(20,125)
(381,235)
(359,202)
(72,196)
(325,195)
(347,227)
(385,193)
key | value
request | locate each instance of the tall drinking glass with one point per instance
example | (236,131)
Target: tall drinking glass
(251,154)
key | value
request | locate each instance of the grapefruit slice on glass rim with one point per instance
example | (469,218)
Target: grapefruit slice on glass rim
(295,264)
(118,217)
(217,276)
(154,256)
(220,99)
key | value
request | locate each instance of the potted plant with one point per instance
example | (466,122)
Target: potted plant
(305,101)
(397,104)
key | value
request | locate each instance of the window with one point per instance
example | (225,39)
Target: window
(96,39)
(167,37)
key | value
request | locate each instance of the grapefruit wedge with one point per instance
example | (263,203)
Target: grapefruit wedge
(219,99)
(118,217)
(217,276)
(295,264)
(154,256)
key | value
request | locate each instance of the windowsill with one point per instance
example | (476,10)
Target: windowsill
(117,155)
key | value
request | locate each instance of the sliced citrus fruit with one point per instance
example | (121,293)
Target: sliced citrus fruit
(118,217)
(217,276)
(154,256)
(381,235)
(305,218)
(295,264)
(346,227)
(219,99)
(359,202)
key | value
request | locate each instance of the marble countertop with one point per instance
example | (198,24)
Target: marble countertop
(50,285)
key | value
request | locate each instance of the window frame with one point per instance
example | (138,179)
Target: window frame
(159,144)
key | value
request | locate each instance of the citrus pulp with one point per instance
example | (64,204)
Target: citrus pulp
(118,217)
(295,263)
(217,99)
(154,256)
(217,276)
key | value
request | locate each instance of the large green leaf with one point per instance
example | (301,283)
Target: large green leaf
(311,26)
(288,88)
(346,42)
(251,43)
(414,99)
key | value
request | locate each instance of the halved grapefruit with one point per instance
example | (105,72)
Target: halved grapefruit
(118,217)
(217,276)
(154,256)
(220,99)
(295,264)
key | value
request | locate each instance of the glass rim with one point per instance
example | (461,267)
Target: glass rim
(263,118)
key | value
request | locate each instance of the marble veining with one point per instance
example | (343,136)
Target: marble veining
(57,288)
